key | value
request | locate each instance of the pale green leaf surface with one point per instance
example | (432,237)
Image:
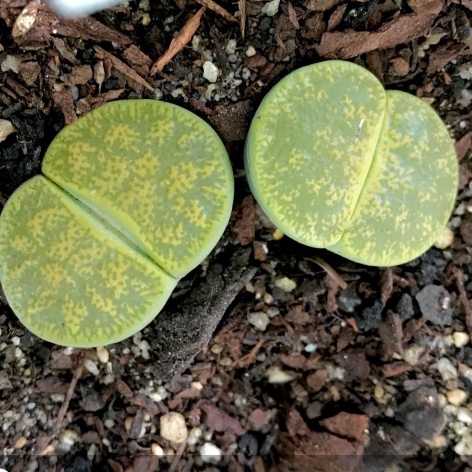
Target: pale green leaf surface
(68,277)
(155,171)
(337,163)
(310,147)
(410,189)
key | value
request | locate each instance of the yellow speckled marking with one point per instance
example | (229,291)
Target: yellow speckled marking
(154,191)
(336,162)
(76,274)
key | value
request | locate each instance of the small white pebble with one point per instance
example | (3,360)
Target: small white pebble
(259,320)
(460,339)
(173,427)
(216,349)
(157,450)
(231,47)
(460,210)
(268,298)
(271,8)
(103,354)
(459,448)
(18,353)
(455,222)
(246,73)
(445,239)
(446,369)
(69,437)
(250,51)
(210,71)
(412,354)
(11,63)
(240,401)
(456,397)
(450,410)
(91,452)
(156,397)
(286,284)
(278,376)
(108,379)
(68,351)
(194,436)
(226,361)
(311,347)
(448,340)
(210,453)
(15,340)
(57,397)
(128,423)
(442,400)
(272,312)
(464,415)
(196,43)
(91,367)
(109,423)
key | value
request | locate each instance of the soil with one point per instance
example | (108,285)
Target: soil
(300,374)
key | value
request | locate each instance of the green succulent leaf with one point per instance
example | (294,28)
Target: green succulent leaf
(410,189)
(136,194)
(157,172)
(69,278)
(338,163)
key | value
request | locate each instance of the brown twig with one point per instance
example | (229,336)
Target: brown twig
(329,270)
(218,9)
(247,359)
(292,16)
(459,277)
(177,457)
(178,43)
(242,16)
(70,392)
(120,66)
(386,281)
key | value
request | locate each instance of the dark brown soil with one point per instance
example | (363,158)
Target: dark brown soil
(366,378)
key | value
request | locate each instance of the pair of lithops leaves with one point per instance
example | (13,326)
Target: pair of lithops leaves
(137,193)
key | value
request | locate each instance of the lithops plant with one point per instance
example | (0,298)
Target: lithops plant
(337,162)
(134,196)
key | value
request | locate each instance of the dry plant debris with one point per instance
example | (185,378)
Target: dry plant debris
(178,43)
(361,353)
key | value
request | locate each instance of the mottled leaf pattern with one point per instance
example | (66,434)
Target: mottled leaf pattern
(153,190)
(156,171)
(337,162)
(67,277)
